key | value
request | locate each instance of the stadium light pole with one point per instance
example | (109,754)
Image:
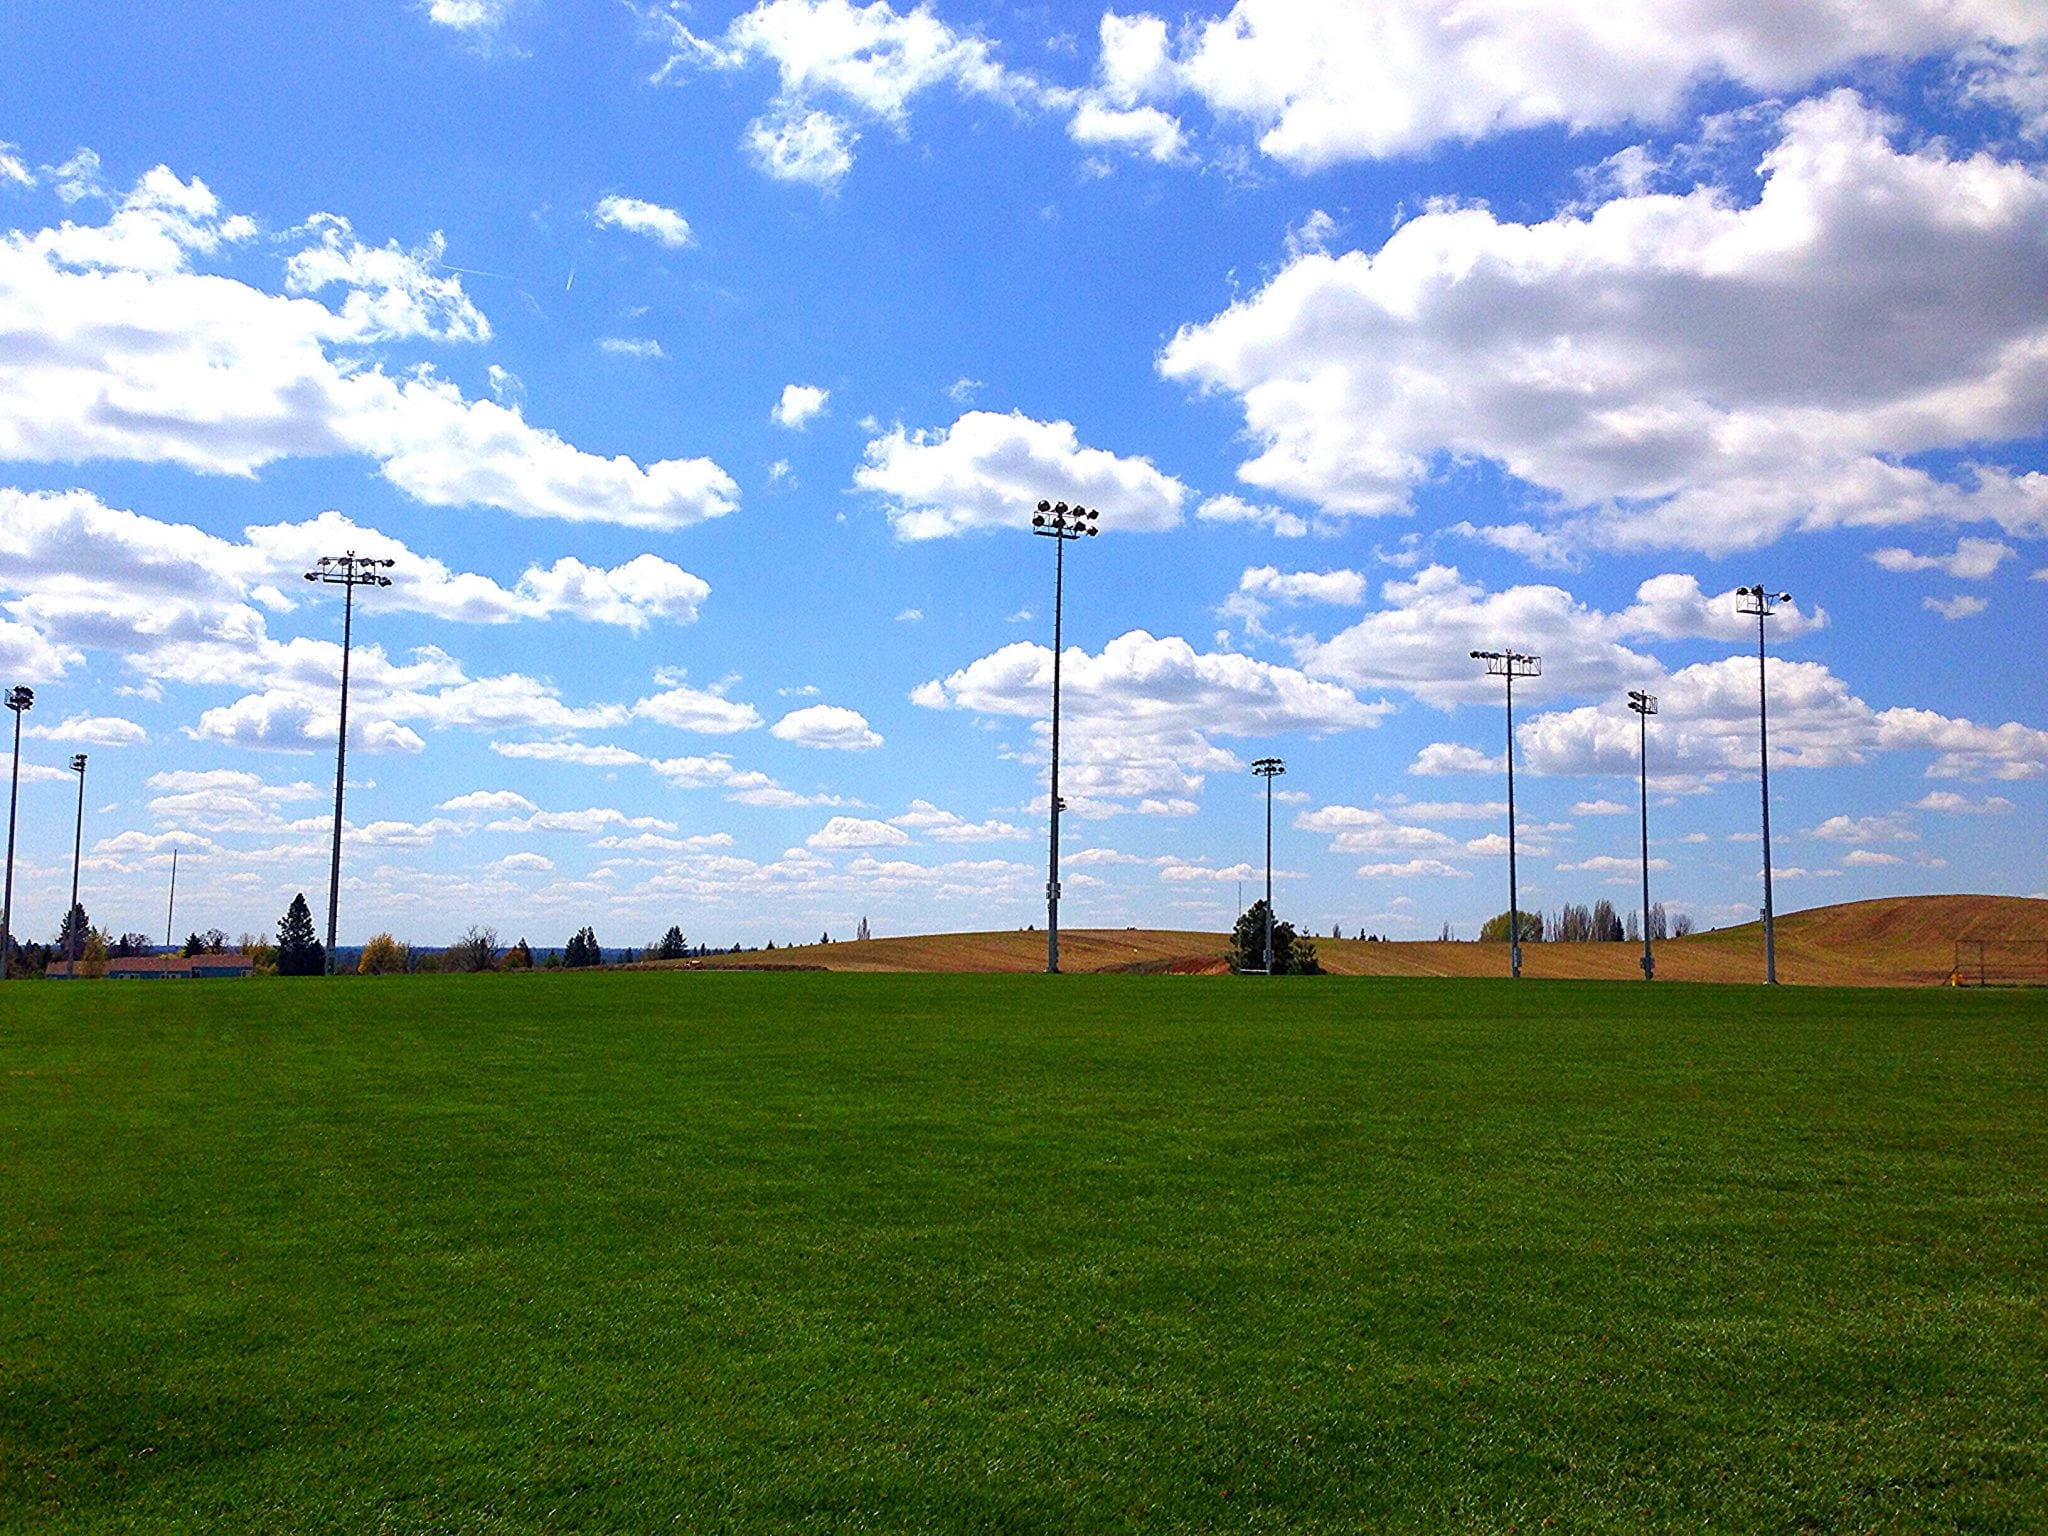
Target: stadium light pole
(1511,665)
(77,845)
(348,572)
(21,701)
(1269,769)
(1061,523)
(1761,603)
(1645,705)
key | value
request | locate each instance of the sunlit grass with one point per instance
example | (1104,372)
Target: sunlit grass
(631,1252)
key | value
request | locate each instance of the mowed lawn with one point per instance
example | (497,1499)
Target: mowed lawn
(796,1252)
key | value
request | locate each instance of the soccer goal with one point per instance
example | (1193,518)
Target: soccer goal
(2000,963)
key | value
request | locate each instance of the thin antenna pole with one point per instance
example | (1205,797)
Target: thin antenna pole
(171,911)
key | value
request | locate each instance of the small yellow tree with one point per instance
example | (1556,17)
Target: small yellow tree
(383,956)
(92,960)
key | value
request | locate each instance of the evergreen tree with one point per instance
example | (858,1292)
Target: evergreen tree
(862,931)
(519,957)
(1293,954)
(299,951)
(71,937)
(194,945)
(582,950)
(673,945)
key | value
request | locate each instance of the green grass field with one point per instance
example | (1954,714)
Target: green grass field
(643,1252)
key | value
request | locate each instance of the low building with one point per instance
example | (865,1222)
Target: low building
(164,967)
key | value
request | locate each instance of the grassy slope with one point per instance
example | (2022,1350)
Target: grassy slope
(607,1252)
(1893,941)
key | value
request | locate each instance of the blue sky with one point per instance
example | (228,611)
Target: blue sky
(698,365)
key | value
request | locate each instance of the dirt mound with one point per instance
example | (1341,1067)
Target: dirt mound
(1893,941)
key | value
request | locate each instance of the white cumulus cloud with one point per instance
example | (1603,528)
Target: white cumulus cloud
(827,726)
(1671,369)
(991,471)
(799,403)
(662,225)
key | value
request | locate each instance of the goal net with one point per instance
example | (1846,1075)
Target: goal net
(2000,963)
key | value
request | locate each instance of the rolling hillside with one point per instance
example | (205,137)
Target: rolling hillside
(1893,941)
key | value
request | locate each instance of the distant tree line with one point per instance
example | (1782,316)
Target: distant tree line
(1576,923)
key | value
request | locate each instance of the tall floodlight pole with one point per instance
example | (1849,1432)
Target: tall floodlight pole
(1061,523)
(348,572)
(21,701)
(1269,769)
(1645,705)
(77,844)
(1511,665)
(1761,603)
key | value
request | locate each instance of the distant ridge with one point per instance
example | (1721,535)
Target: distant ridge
(1892,941)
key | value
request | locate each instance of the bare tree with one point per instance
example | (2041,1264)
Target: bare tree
(476,950)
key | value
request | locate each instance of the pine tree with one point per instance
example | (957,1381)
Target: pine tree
(299,952)
(673,945)
(1293,954)
(519,957)
(71,937)
(582,950)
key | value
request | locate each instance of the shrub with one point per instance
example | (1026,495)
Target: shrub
(384,956)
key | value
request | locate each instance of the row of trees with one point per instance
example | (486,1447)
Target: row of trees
(479,950)
(1575,923)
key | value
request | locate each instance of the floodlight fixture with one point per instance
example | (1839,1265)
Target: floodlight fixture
(347,571)
(1755,600)
(1645,705)
(1061,523)
(20,700)
(1509,665)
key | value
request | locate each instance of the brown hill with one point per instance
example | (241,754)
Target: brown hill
(1889,942)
